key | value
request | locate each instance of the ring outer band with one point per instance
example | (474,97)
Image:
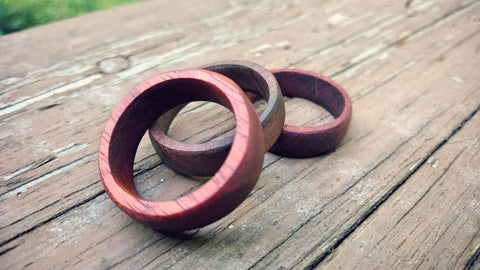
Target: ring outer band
(306,142)
(139,109)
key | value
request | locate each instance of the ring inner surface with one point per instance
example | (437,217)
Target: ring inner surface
(142,112)
(323,93)
(248,79)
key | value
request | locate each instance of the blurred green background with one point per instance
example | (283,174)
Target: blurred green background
(16,15)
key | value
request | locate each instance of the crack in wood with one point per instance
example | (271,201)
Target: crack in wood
(364,217)
(26,101)
(431,186)
(3,252)
(46,176)
(249,209)
(53,217)
(475,259)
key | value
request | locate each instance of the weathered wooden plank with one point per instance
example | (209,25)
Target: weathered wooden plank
(415,119)
(35,167)
(74,102)
(433,221)
(104,85)
(173,39)
(283,182)
(321,211)
(79,38)
(18,180)
(106,96)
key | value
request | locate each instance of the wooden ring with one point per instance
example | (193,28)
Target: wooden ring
(135,114)
(303,142)
(205,159)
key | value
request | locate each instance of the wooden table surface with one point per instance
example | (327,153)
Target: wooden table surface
(401,191)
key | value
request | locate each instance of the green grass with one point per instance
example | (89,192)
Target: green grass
(16,15)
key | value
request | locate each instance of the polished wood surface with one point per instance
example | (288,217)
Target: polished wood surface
(139,109)
(304,142)
(205,159)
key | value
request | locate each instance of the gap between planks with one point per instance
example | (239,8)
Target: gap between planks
(389,193)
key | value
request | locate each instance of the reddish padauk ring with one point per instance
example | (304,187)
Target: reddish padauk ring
(204,159)
(304,142)
(136,112)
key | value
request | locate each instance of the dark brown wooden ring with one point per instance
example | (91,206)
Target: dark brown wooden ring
(205,159)
(303,142)
(135,114)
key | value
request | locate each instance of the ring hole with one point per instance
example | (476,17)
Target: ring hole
(301,112)
(201,122)
(154,180)
(198,122)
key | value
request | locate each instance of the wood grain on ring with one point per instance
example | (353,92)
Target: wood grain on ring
(134,115)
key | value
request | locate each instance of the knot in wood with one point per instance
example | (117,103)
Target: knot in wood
(113,64)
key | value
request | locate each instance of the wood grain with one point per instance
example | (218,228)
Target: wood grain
(138,110)
(432,221)
(207,158)
(411,72)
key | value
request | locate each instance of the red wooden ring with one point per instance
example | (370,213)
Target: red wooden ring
(205,159)
(134,115)
(303,142)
